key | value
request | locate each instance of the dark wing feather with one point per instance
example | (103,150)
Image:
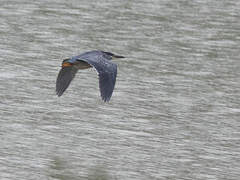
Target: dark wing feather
(64,78)
(107,72)
(107,81)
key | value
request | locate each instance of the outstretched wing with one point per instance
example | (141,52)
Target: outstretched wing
(65,76)
(107,72)
(107,81)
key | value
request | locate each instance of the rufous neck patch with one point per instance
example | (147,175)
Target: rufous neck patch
(66,64)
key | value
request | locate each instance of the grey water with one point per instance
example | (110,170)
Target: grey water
(175,110)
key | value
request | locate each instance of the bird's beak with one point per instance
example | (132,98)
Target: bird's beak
(116,56)
(66,64)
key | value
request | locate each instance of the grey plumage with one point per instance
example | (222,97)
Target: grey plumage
(64,78)
(100,60)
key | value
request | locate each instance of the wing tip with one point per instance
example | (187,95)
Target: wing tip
(58,94)
(106,98)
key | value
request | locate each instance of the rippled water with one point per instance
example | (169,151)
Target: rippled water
(175,110)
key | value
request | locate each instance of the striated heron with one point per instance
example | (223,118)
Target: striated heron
(100,60)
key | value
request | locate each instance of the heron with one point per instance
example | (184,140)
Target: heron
(100,61)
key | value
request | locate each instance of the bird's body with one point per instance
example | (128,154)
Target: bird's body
(82,65)
(100,60)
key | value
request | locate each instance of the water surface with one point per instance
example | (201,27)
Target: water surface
(174,113)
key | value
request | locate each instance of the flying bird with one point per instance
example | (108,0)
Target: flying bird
(100,60)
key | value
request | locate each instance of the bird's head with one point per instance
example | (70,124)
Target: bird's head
(66,63)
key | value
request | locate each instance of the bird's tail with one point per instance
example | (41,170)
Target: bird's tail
(117,56)
(113,55)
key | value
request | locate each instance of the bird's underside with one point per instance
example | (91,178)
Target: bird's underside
(82,65)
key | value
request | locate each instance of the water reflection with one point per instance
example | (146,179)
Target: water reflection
(98,173)
(60,169)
